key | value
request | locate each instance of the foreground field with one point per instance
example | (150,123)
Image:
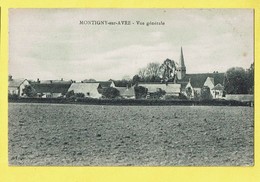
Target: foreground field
(57,134)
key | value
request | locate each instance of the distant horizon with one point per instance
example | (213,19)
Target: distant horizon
(51,44)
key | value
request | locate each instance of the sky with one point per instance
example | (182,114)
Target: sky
(53,44)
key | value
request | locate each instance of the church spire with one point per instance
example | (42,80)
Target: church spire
(181,63)
(181,69)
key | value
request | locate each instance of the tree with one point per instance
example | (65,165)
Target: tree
(29,91)
(151,73)
(142,74)
(136,79)
(250,79)
(153,70)
(158,94)
(205,93)
(168,70)
(235,81)
(89,80)
(140,92)
(110,93)
(126,77)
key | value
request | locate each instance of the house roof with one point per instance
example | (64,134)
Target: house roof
(198,80)
(218,87)
(121,83)
(51,87)
(124,91)
(129,92)
(52,81)
(209,82)
(121,90)
(15,82)
(103,84)
(91,88)
(168,88)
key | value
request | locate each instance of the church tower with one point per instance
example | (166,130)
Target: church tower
(181,69)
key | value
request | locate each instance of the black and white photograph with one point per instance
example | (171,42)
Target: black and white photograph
(130,87)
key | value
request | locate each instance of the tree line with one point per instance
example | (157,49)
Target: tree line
(239,80)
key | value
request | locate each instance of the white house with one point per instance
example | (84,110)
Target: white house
(16,86)
(88,89)
(218,91)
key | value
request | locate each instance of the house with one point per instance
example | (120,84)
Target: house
(218,91)
(50,89)
(171,89)
(125,92)
(16,86)
(129,93)
(89,89)
(102,84)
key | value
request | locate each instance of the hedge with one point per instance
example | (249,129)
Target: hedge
(92,101)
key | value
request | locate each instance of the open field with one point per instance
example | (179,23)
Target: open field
(96,135)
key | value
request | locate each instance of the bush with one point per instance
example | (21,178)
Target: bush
(12,96)
(140,92)
(171,97)
(182,96)
(110,93)
(70,94)
(205,93)
(80,95)
(158,94)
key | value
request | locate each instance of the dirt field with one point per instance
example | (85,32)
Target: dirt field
(89,135)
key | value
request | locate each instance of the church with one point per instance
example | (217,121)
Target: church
(187,84)
(193,83)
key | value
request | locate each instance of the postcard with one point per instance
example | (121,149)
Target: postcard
(131,87)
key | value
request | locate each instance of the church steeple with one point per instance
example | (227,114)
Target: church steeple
(181,69)
(181,63)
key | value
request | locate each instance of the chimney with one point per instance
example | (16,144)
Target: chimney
(61,79)
(38,80)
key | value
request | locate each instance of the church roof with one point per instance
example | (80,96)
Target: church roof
(198,80)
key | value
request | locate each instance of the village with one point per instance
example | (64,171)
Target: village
(175,83)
